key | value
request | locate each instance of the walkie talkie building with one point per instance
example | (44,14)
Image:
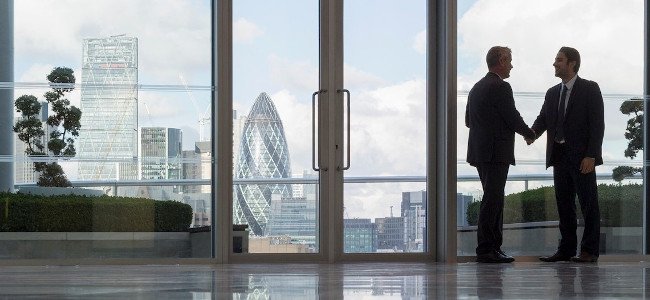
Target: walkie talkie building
(263,154)
(109,102)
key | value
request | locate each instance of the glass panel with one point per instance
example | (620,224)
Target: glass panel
(275,71)
(385,71)
(143,88)
(530,215)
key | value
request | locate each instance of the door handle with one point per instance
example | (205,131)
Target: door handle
(347,162)
(313,132)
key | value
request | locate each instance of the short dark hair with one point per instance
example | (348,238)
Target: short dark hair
(494,55)
(572,55)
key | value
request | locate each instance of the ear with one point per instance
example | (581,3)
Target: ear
(572,65)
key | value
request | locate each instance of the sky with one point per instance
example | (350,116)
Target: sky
(276,51)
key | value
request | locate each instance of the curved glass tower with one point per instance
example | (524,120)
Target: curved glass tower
(263,154)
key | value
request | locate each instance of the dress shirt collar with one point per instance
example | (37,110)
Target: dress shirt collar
(571,82)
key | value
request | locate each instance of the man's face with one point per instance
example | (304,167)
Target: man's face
(506,65)
(563,69)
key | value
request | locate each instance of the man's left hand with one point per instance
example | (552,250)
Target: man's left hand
(587,165)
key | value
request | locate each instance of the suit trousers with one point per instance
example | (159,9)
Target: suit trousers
(490,220)
(569,181)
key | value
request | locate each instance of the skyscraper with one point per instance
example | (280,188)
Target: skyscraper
(414,212)
(197,165)
(263,154)
(109,103)
(160,153)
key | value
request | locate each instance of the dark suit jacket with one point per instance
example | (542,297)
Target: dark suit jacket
(492,120)
(584,121)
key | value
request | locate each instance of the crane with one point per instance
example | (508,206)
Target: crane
(203,119)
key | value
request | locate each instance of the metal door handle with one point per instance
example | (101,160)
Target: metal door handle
(347,163)
(313,132)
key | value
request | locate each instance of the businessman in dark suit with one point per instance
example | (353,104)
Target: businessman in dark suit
(573,118)
(493,120)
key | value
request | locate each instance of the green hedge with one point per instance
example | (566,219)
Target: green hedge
(70,213)
(620,206)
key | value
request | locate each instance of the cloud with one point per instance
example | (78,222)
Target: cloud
(245,31)
(609,36)
(296,120)
(293,75)
(420,42)
(388,130)
(361,80)
(173,36)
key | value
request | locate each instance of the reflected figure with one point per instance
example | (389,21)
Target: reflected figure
(566,278)
(489,279)
(589,278)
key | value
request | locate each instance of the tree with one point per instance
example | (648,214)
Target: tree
(64,123)
(634,135)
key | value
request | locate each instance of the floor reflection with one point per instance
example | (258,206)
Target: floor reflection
(330,281)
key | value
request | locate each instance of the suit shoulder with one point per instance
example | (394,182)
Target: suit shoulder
(589,83)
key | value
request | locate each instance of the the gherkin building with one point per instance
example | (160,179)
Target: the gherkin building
(263,154)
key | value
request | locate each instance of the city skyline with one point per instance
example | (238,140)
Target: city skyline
(286,66)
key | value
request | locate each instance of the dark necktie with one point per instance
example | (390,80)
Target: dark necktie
(559,126)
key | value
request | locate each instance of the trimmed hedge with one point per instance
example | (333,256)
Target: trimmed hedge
(620,206)
(70,213)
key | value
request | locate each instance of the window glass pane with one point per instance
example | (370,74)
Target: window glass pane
(385,71)
(609,39)
(275,72)
(143,88)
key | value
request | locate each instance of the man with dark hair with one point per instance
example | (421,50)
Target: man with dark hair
(573,117)
(493,120)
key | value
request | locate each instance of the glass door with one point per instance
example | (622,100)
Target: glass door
(275,72)
(384,70)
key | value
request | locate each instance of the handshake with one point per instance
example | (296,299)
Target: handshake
(531,140)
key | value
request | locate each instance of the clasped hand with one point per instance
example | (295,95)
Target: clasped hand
(530,141)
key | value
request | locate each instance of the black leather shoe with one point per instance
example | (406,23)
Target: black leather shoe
(585,257)
(494,257)
(505,255)
(557,256)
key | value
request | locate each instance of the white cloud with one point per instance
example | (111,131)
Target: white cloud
(608,35)
(361,80)
(420,42)
(296,120)
(388,127)
(293,75)
(245,31)
(173,36)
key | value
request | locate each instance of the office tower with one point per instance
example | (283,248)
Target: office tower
(263,154)
(414,212)
(359,236)
(197,165)
(390,234)
(108,137)
(160,153)
(294,217)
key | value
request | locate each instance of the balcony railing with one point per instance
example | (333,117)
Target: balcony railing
(526,178)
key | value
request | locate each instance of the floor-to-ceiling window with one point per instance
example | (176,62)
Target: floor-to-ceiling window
(275,72)
(610,39)
(142,94)
(384,69)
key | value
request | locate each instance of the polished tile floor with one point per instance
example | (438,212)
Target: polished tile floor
(335,281)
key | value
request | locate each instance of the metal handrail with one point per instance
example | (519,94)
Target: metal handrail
(348,179)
